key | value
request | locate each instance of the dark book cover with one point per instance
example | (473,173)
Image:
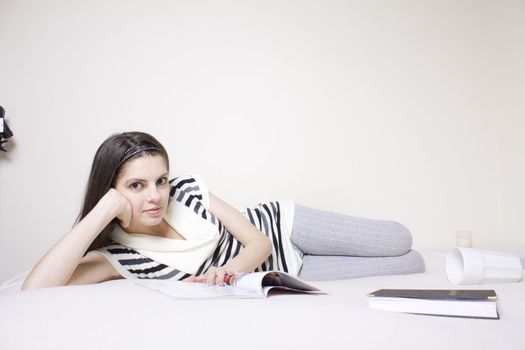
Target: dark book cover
(437,294)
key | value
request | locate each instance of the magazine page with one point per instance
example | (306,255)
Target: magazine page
(250,282)
(197,290)
(243,285)
(283,279)
(286,282)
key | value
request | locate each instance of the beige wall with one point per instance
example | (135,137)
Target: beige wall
(508,51)
(408,110)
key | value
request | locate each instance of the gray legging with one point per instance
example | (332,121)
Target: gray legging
(336,246)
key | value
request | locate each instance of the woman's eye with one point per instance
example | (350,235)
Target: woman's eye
(162,181)
(135,185)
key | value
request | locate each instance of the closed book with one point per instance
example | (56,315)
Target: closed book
(476,303)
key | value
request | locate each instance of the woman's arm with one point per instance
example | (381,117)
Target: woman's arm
(257,246)
(64,263)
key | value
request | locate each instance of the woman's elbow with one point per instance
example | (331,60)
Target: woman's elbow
(36,282)
(267,245)
(27,285)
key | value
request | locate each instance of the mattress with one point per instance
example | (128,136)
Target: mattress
(122,315)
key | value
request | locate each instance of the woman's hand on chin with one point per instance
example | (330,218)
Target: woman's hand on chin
(121,206)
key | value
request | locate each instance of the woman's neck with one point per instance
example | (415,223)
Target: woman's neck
(163,229)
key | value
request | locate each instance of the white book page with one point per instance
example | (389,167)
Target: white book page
(436,307)
(197,290)
(251,283)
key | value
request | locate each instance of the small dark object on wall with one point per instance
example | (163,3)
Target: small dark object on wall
(5,132)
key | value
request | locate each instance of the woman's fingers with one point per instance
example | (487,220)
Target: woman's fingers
(219,279)
(125,213)
(125,217)
(219,276)
(124,209)
(210,276)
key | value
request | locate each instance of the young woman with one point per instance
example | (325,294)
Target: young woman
(136,223)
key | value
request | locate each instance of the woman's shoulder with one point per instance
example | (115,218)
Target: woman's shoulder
(188,187)
(187,182)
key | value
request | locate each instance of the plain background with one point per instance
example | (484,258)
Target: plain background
(408,110)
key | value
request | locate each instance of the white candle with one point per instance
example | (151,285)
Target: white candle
(464,239)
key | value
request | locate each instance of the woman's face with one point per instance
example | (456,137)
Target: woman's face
(144,182)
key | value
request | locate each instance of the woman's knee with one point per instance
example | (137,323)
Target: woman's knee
(403,238)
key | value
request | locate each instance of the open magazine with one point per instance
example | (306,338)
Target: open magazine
(246,285)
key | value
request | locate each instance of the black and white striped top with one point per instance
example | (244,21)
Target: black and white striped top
(275,219)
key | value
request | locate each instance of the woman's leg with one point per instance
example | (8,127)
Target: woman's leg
(320,232)
(319,268)
(337,246)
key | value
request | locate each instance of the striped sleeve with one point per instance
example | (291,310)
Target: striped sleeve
(131,264)
(270,219)
(189,188)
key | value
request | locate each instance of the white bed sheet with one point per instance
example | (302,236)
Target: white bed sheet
(120,315)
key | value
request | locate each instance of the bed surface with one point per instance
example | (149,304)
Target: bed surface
(121,315)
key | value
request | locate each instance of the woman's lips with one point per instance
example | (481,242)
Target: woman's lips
(154,212)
